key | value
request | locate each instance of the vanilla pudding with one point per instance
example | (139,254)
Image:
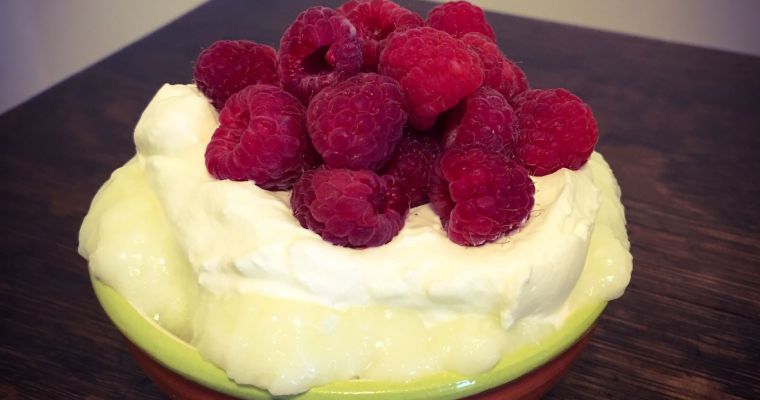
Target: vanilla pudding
(226,267)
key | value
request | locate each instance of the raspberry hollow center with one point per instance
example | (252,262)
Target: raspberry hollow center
(316,62)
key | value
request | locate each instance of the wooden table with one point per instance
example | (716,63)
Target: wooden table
(679,125)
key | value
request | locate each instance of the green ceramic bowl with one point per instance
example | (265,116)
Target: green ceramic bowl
(182,359)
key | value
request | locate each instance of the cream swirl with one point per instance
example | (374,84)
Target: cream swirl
(241,238)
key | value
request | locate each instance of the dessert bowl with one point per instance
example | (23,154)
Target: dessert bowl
(178,369)
(288,258)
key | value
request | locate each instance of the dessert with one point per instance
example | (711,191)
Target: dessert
(339,279)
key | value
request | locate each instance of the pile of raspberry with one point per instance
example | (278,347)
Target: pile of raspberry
(368,110)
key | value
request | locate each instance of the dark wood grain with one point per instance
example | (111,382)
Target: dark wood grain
(679,125)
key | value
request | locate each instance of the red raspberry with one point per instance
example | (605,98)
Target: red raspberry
(458,18)
(374,21)
(349,208)
(412,163)
(479,195)
(500,72)
(319,49)
(357,123)
(228,66)
(555,129)
(261,137)
(484,118)
(434,69)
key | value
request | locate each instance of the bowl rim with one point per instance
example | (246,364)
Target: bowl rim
(180,357)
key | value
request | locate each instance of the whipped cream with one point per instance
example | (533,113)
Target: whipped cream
(208,245)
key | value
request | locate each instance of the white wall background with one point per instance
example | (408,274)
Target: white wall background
(44,41)
(732,25)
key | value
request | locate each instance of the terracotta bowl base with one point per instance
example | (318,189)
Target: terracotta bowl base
(527,387)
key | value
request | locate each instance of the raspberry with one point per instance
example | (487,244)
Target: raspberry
(261,137)
(479,195)
(317,50)
(458,18)
(349,208)
(228,66)
(374,21)
(434,69)
(357,123)
(555,129)
(500,72)
(484,118)
(412,163)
